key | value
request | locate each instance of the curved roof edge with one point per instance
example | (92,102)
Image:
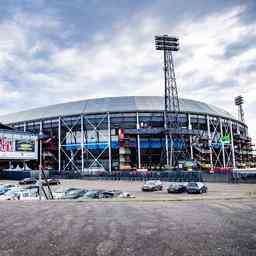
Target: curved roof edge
(112,104)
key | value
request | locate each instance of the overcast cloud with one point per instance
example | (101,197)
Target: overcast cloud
(57,51)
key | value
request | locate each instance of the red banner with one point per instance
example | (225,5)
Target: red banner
(5,145)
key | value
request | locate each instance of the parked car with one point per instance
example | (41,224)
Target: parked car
(9,195)
(126,195)
(108,194)
(27,195)
(177,188)
(33,186)
(196,187)
(58,194)
(51,182)
(10,186)
(74,193)
(28,181)
(3,190)
(111,193)
(152,185)
(93,194)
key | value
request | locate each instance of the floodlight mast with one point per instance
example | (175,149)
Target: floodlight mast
(169,44)
(239,101)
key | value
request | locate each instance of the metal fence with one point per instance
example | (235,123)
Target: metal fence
(171,176)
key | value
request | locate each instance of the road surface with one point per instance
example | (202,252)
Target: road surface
(221,227)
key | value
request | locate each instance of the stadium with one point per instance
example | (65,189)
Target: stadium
(127,133)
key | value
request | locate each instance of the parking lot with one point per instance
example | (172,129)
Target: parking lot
(215,190)
(220,222)
(214,227)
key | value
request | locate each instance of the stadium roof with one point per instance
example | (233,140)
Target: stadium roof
(5,127)
(111,104)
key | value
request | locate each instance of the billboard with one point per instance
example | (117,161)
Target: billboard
(15,145)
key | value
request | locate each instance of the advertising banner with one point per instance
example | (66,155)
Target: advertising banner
(14,145)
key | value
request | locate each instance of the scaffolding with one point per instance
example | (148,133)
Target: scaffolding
(86,142)
(82,145)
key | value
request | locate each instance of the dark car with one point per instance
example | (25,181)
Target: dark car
(51,182)
(111,193)
(32,187)
(196,187)
(28,181)
(177,188)
(152,185)
(94,194)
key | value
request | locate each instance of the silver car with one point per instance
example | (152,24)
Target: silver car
(152,185)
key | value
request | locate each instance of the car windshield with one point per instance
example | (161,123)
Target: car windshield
(150,183)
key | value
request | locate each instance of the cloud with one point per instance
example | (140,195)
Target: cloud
(207,73)
(42,59)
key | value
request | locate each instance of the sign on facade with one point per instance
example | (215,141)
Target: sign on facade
(18,146)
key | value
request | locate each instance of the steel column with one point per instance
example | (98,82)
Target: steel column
(166,108)
(190,137)
(138,141)
(209,140)
(59,143)
(166,140)
(222,144)
(40,162)
(232,145)
(82,142)
(109,145)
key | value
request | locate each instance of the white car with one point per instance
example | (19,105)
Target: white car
(126,195)
(58,194)
(10,186)
(19,194)
(9,195)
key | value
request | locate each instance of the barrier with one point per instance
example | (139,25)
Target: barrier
(15,175)
(171,176)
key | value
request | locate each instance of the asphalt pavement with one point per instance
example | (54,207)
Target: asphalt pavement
(221,227)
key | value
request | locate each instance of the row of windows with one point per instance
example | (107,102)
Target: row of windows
(128,120)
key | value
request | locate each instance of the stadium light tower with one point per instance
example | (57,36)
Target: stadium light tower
(239,101)
(169,44)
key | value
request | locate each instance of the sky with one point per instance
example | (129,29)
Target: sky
(54,51)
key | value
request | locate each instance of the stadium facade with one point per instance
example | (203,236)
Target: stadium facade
(123,133)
